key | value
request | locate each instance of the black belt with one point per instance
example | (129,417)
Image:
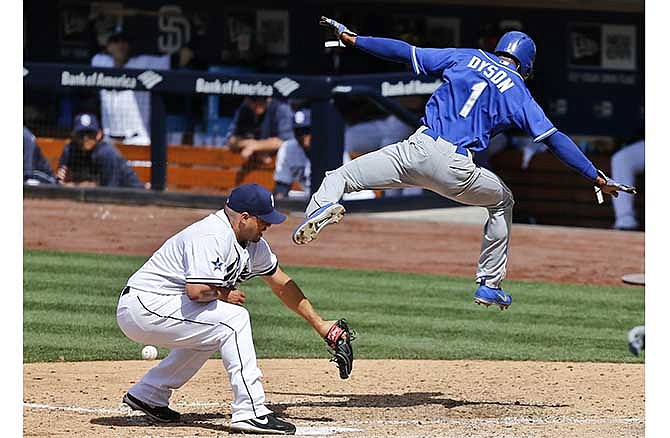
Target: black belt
(432,134)
(125,290)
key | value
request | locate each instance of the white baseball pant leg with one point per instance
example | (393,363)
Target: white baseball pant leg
(626,163)
(193,331)
(420,161)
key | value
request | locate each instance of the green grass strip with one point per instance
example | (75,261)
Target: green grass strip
(69,313)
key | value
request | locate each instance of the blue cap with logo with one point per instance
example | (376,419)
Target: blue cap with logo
(255,200)
(85,122)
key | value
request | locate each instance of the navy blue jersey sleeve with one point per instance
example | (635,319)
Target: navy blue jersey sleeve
(284,122)
(431,62)
(532,119)
(40,163)
(232,127)
(128,176)
(33,159)
(114,168)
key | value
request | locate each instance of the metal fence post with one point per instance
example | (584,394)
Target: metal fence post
(158,143)
(327,139)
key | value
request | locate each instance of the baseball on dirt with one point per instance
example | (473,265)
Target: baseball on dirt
(149,352)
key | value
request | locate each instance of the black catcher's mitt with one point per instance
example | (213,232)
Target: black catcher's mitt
(339,338)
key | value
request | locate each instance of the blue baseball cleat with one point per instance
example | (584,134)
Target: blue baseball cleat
(487,295)
(308,230)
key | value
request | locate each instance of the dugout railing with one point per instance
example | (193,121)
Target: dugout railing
(537,198)
(328,125)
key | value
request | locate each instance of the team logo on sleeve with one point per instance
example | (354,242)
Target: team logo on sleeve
(217,264)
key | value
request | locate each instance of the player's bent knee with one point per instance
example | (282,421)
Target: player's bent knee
(234,316)
(510,201)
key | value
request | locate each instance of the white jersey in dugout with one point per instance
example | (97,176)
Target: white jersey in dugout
(204,252)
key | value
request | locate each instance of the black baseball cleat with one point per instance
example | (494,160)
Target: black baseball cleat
(162,414)
(267,424)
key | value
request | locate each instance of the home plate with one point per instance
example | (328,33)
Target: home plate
(633,279)
(323,431)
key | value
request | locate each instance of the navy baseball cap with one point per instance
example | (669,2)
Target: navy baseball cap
(85,122)
(255,200)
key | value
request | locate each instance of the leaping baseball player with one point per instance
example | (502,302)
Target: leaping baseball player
(185,298)
(482,95)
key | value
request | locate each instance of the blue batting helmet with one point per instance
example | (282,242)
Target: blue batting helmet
(521,47)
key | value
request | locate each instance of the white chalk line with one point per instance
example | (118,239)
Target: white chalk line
(301,430)
(77,409)
(354,426)
(504,421)
(121,410)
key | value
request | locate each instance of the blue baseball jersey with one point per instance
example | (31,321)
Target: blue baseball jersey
(480,97)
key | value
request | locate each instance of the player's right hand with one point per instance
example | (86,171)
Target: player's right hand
(234,296)
(611,187)
(338,28)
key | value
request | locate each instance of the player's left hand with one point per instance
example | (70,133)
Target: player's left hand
(611,187)
(339,338)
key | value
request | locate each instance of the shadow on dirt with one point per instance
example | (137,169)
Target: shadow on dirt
(204,421)
(409,399)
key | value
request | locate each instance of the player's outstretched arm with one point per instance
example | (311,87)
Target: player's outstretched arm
(568,152)
(385,48)
(292,297)
(337,334)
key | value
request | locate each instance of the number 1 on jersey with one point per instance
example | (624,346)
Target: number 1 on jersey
(477,90)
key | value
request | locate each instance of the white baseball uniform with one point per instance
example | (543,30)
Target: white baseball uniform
(293,164)
(626,163)
(154,309)
(127,113)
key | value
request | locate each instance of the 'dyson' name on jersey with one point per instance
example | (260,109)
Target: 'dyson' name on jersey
(491,71)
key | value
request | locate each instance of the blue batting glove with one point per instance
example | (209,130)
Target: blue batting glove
(338,28)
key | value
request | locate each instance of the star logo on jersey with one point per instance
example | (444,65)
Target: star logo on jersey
(217,264)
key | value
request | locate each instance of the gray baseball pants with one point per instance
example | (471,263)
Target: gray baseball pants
(421,161)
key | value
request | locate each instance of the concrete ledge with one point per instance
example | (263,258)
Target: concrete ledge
(462,215)
(195,200)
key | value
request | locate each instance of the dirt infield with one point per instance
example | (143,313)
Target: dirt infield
(382,398)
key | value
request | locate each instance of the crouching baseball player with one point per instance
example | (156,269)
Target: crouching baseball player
(482,95)
(185,298)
